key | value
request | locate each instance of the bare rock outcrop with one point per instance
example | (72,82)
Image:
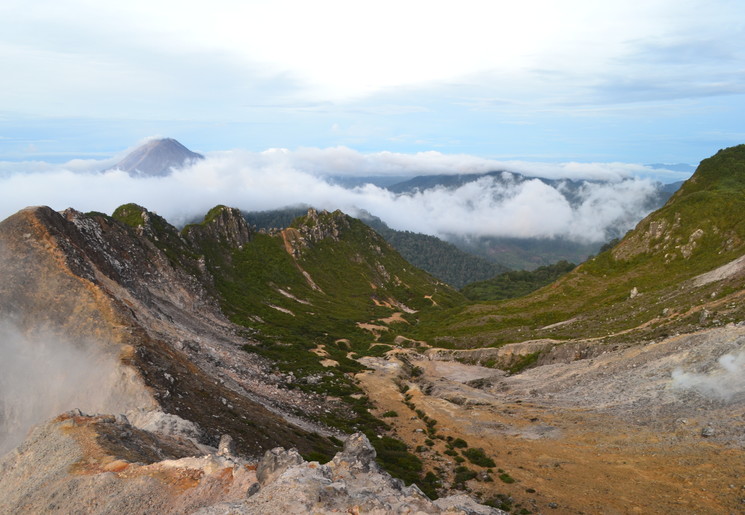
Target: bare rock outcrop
(102,464)
(222,224)
(350,483)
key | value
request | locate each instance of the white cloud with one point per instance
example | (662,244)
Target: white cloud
(278,178)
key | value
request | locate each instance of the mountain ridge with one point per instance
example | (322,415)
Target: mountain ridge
(277,318)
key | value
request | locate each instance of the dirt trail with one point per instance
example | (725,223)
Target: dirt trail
(611,435)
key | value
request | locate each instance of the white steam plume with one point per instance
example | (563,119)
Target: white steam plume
(43,375)
(280,178)
(723,383)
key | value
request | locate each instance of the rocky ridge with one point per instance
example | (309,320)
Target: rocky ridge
(103,464)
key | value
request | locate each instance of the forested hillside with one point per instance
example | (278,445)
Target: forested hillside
(443,260)
(516,283)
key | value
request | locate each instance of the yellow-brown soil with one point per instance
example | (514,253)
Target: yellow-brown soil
(588,463)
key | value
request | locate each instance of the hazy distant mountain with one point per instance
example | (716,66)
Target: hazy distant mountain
(157,158)
(382,181)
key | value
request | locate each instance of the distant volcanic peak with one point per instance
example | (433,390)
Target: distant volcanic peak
(157,158)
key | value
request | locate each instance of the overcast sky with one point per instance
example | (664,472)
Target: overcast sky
(652,81)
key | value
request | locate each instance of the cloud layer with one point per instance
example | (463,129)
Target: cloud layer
(279,178)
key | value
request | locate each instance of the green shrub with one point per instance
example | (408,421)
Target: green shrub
(463,474)
(477,456)
(501,502)
(429,484)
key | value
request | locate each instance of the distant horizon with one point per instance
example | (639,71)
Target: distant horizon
(113,149)
(667,172)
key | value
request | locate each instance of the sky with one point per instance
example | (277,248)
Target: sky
(653,81)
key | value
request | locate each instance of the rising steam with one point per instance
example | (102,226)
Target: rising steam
(723,383)
(43,374)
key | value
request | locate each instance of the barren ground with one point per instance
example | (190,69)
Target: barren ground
(614,434)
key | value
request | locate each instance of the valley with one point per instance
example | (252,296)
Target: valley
(611,434)
(260,362)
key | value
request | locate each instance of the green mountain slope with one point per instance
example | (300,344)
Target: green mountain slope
(443,260)
(644,287)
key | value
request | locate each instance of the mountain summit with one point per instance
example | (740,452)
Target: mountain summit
(157,158)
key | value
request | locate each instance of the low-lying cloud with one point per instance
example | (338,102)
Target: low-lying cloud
(278,178)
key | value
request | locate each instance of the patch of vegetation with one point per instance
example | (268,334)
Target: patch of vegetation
(506,478)
(320,457)
(500,502)
(389,414)
(429,484)
(516,283)
(275,218)
(459,443)
(394,457)
(440,258)
(130,214)
(477,456)
(462,474)
(523,362)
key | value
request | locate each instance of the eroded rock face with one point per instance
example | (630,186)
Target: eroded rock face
(101,464)
(313,228)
